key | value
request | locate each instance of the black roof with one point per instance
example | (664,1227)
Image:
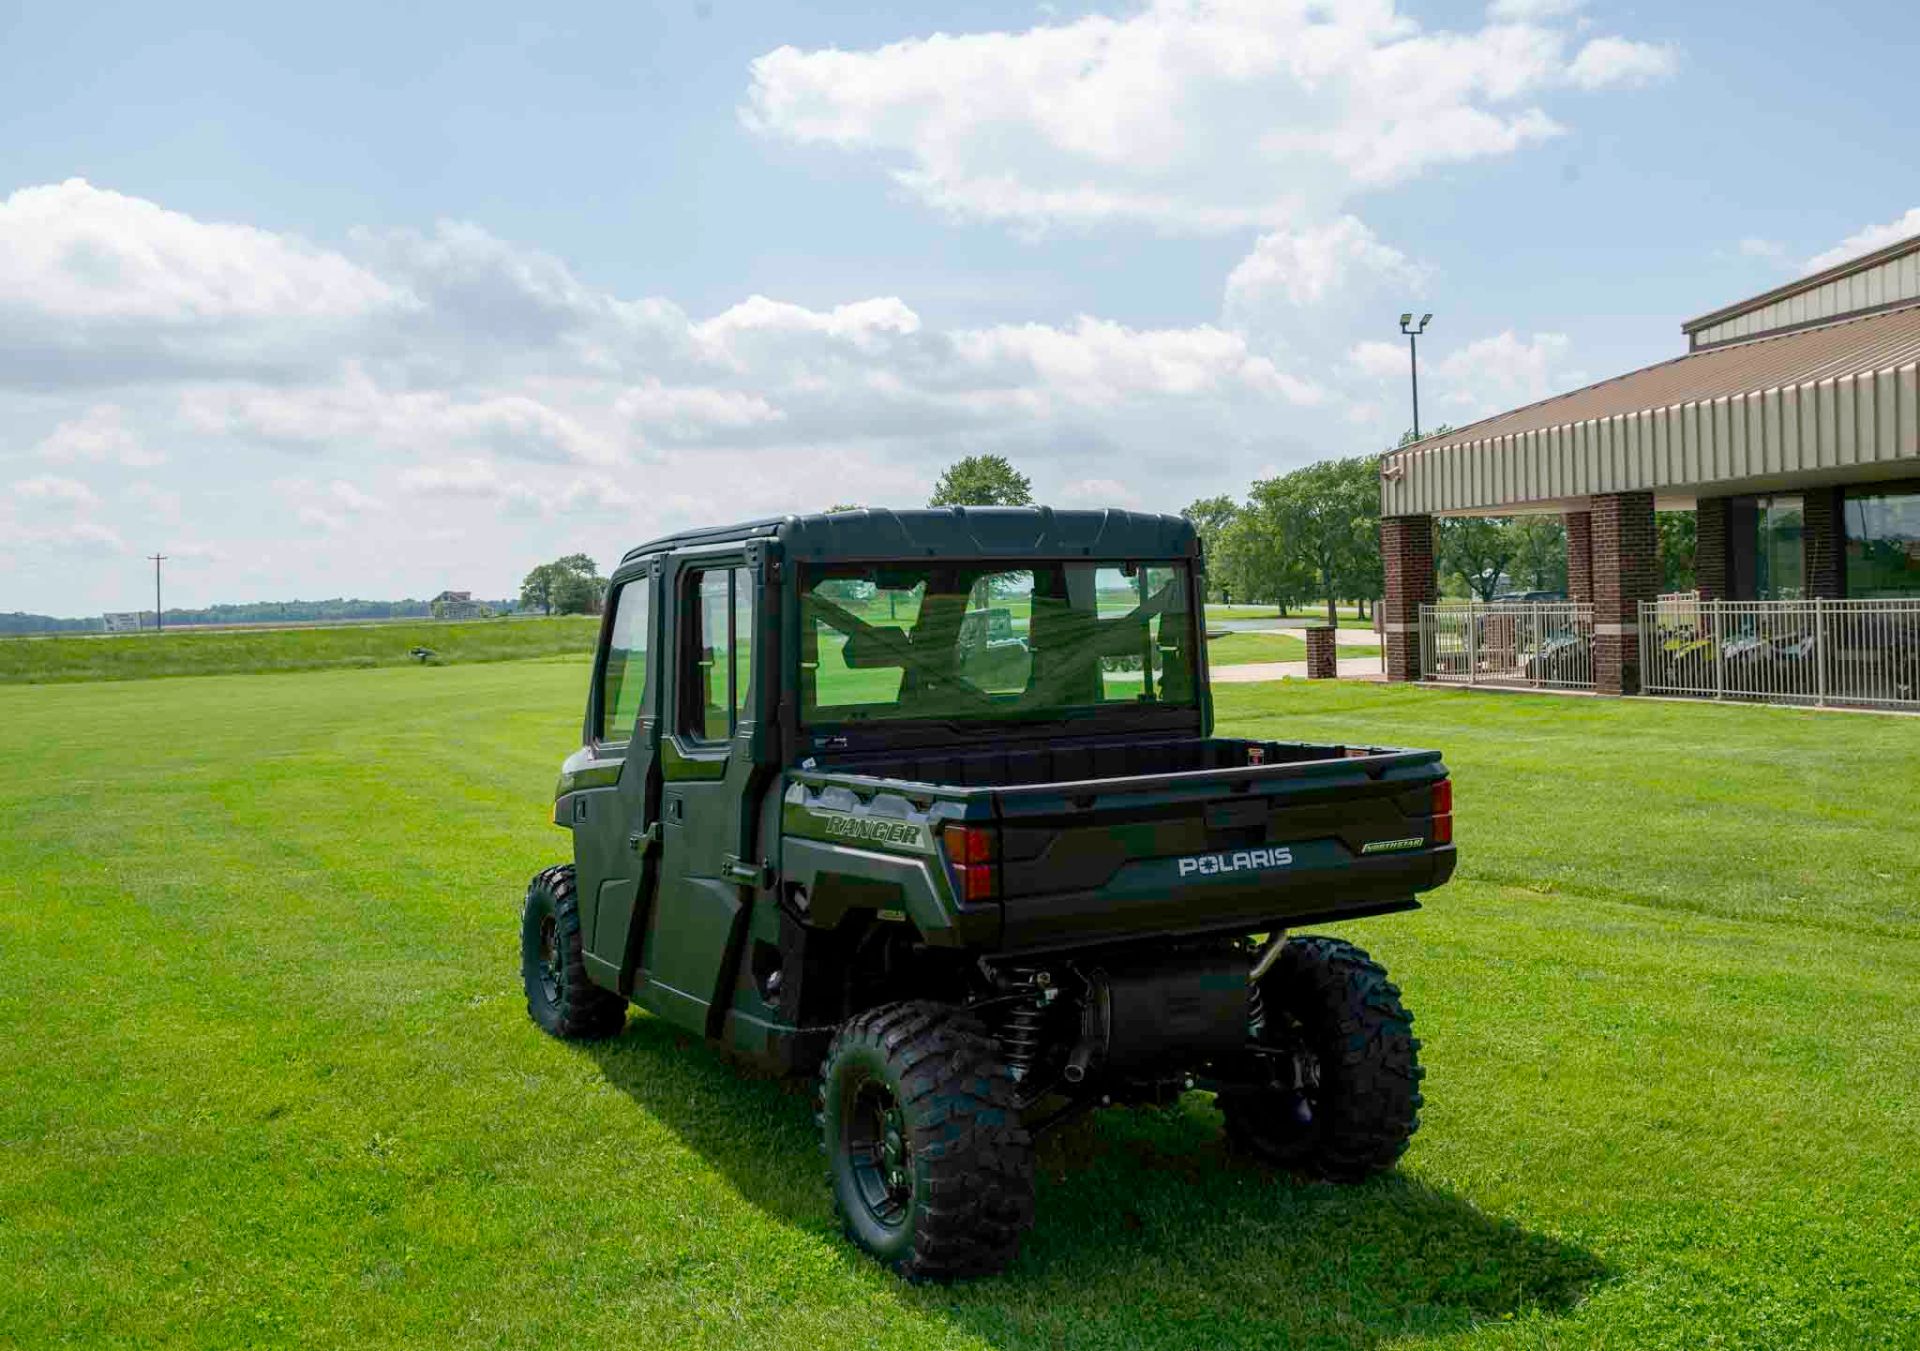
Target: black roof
(955,532)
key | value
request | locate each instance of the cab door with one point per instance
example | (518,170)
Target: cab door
(709,780)
(616,824)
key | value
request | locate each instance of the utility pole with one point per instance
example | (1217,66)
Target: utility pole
(159,620)
(1413,358)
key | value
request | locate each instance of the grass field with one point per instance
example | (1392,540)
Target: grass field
(87,657)
(1240,649)
(1300,616)
(138,656)
(266,1080)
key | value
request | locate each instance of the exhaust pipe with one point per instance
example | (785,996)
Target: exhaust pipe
(1076,1068)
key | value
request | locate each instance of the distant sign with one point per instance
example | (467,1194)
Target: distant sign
(132,622)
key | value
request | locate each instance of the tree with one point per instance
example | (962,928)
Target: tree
(574,594)
(1322,524)
(1211,516)
(1539,552)
(1476,550)
(536,592)
(1678,532)
(571,585)
(1364,578)
(1407,438)
(1253,565)
(982,481)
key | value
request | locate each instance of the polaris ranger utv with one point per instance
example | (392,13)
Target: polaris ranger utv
(928,803)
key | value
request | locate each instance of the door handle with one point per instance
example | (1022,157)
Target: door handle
(644,842)
(736,869)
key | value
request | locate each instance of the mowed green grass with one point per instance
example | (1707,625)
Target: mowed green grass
(266,1079)
(1300,615)
(139,656)
(1247,648)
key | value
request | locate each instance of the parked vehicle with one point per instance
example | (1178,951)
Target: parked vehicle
(808,829)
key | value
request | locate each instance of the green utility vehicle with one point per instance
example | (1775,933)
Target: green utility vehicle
(928,803)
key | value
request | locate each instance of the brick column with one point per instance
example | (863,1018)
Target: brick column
(1579,555)
(1825,544)
(1712,563)
(1626,571)
(1406,550)
(1322,664)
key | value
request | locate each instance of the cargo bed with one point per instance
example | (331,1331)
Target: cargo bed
(1110,841)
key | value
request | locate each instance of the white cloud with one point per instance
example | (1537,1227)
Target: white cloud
(502,396)
(1531,11)
(1502,372)
(357,408)
(1614,63)
(353,499)
(1104,364)
(1378,360)
(1768,250)
(693,412)
(99,434)
(1187,116)
(1102,492)
(190,553)
(48,514)
(547,496)
(865,324)
(458,478)
(1309,266)
(1867,240)
(155,502)
(80,252)
(333,507)
(52,490)
(1486,376)
(67,537)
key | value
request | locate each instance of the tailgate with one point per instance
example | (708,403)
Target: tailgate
(1347,833)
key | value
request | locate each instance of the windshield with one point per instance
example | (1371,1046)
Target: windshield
(988,641)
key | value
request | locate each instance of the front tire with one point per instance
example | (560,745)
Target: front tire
(1343,1097)
(931,1170)
(560,997)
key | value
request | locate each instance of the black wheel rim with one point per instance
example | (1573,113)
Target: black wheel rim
(874,1135)
(1295,1072)
(549,960)
(1306,1085)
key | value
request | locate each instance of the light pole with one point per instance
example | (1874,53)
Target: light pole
(1413,357)
(159,621)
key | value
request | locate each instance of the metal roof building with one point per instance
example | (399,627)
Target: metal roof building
(1792,425)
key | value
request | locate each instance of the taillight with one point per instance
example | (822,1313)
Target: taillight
(1443,812)
(974,853)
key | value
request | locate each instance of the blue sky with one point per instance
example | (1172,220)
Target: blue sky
(380,299)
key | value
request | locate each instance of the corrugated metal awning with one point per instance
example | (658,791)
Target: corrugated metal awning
(1813,401)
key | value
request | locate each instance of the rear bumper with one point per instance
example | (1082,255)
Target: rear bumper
(1149,900)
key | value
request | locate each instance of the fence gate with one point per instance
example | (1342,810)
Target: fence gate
(1544,645)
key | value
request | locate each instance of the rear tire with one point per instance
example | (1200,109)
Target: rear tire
(560,997)
(1352,1108)
(931,1170)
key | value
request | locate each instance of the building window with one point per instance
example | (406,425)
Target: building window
(1780,551)
(1883,544)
